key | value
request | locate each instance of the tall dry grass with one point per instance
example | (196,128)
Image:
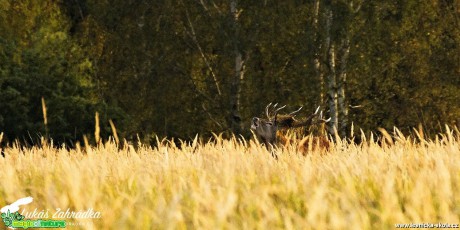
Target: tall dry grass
(233,184)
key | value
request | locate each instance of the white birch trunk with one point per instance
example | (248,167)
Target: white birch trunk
(332,77)
(318,55)
(342,82)
(235,89)
(332,93)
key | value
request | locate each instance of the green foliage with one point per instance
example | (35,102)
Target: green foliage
(44,61)
(405,61)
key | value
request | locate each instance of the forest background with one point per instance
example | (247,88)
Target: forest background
(178,68)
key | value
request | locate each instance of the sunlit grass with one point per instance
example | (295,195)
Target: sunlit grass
(238,185)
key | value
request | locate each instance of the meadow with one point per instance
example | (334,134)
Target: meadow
(236,184)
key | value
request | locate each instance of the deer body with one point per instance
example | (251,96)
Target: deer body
(305,145)
(267,130)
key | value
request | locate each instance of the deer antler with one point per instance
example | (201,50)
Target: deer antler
(267,112)
(285,120)
(321,119)
(272,116)
(310,120)
(294,112)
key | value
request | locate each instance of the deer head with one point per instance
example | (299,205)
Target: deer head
(265,129)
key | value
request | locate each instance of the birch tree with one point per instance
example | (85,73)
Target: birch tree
(332,41)
(235,88)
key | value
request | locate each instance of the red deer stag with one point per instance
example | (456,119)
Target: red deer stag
(266,130)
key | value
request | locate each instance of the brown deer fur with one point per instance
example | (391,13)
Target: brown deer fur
(268,131)
(308,144)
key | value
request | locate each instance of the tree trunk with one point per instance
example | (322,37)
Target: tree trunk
(331,77)
(318,54)
(330,62)
(332,93)
(235,89)
(342,82)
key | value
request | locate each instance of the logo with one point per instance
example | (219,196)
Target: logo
(13,219)
(14,207)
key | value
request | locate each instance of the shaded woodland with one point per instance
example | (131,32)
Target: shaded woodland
(178,68)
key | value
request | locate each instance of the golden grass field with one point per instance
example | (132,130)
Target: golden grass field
(234,184)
